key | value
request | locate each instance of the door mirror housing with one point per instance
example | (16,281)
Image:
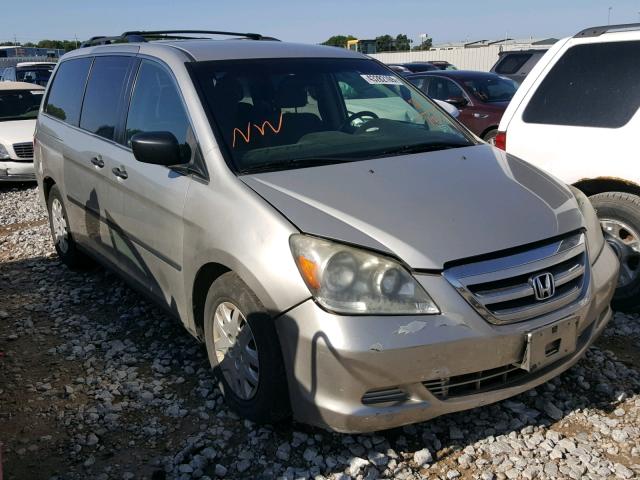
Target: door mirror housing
(157,148)
(458,102)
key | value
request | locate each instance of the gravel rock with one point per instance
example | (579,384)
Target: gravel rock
(126,388)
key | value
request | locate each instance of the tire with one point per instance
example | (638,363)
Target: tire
(268,400)
(63,241)
(490,136)
(619,214)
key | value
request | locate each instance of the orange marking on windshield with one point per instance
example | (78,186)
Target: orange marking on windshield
(261,130)
(267,123)
(247,137)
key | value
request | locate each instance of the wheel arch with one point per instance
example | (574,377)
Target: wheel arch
(206,275)
(47,184)
(593,186)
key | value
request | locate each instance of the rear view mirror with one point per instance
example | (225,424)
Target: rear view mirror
(458,102)
(157,148)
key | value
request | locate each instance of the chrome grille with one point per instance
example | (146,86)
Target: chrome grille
(502,291)
(23,150)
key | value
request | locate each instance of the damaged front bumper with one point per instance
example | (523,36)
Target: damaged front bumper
(12,171)
(367,373)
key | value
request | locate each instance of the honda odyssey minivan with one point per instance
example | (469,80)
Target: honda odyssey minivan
(355,267)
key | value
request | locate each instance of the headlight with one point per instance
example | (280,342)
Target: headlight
(350,280)
(4,155)
(595,238)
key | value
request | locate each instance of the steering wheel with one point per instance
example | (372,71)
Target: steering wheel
(355,116)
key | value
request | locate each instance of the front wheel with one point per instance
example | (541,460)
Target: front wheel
(244,351)
(619,215)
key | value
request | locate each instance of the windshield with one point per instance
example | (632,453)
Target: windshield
(19,104)
(492,89)
(39,76)
(291,113)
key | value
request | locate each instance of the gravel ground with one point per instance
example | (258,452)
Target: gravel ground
(97,383)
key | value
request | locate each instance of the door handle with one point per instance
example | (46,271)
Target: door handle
(120,173)
(98,162)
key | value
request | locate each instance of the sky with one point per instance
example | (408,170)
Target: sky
(309,21)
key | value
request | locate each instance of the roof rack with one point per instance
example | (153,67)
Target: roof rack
(597,31)
(151,35)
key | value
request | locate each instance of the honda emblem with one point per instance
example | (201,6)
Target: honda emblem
(544,286)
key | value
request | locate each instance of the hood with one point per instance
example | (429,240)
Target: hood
(427,209)
(17,131)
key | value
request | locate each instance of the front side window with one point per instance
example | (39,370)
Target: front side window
(104,97)
(291,113)
(19,104)
(491,89)
(443,89)
(592,85)
(65,95)
(156,106)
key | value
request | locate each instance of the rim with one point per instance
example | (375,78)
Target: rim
(625,241)
(236,350)
(59,225)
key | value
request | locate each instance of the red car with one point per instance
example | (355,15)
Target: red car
(481,97)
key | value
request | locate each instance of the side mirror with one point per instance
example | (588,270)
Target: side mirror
(458,102)
(157,148)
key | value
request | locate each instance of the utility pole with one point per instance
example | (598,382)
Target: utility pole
(15,40)
(76,41)
(609,16)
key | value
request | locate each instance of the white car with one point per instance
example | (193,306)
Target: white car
(576,116)
(19,105)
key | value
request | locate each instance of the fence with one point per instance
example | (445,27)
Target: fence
(480,58)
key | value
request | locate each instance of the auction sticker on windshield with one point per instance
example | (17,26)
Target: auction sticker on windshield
(382,79)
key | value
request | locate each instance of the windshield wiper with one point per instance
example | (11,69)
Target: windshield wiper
(424,147)
(296,163)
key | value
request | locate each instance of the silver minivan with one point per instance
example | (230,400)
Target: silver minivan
(350,255)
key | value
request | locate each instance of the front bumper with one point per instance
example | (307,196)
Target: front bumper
(22,171)
(333,360)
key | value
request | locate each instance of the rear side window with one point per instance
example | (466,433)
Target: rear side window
(592,85)
(65,96)
(103,100)
(511,63)
(156,106)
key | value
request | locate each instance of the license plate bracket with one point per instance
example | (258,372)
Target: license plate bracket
(547,344)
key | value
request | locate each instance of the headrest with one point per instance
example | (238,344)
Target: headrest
(228,89)
(292,93)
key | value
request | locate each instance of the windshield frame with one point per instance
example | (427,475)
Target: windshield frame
(226,151)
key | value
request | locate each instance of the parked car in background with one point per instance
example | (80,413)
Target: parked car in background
(517,64)
(577,116)
(442,65)
(399,69)
(29,72)
(481,97)
(19,105)
(360,268)
(417,67)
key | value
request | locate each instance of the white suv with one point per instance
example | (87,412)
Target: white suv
(576,116)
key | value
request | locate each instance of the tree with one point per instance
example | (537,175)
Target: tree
(426,44)
(403,44)
(385,43)
(339,41)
